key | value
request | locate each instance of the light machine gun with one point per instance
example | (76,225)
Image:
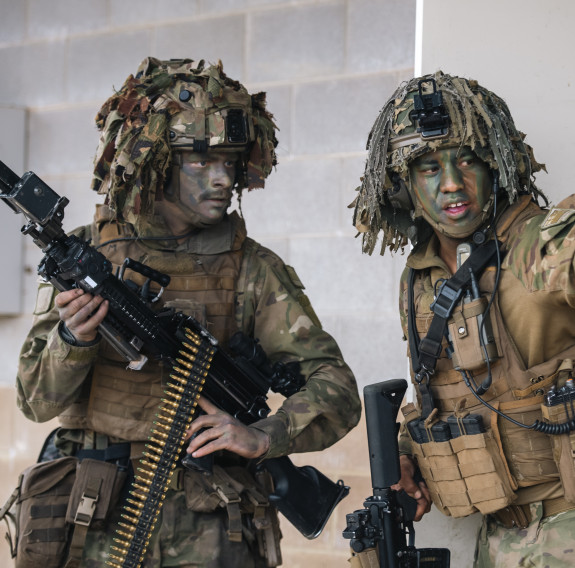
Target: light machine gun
(385,526)
(237,383)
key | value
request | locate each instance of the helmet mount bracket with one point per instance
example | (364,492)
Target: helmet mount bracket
(429,112)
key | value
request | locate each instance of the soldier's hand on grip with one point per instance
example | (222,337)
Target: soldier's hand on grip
(218,430)
(417,491)
(82,313)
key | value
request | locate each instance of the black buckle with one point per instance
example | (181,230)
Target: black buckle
(446,300)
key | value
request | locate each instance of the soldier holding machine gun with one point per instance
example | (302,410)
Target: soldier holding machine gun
(176,140)
(487,306)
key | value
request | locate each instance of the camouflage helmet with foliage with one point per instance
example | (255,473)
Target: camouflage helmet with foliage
(471,116)
(171,106)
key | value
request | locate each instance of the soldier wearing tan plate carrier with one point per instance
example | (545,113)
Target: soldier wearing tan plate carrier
(176,140)
(487,303)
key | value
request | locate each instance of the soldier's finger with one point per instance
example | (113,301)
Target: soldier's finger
(207,406)
(86,305)
(98,317)
(206,437)
(64,298)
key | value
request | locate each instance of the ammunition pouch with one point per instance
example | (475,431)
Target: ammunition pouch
(465,474)
(54,505)
(41,532)
(250,515)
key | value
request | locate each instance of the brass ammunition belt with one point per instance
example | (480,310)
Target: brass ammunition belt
(166,440)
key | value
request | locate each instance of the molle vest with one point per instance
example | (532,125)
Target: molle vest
(122,403)
(488,471)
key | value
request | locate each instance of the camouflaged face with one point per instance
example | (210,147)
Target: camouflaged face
(171,105)
(478,119)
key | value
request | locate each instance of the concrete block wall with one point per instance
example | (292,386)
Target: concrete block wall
(327,66)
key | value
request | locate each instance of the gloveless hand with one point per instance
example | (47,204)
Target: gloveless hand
(218,430)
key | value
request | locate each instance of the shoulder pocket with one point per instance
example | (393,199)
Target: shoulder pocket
(44,299)
(294,277)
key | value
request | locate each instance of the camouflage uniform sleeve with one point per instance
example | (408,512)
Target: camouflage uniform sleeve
(541,253)
(403,300)
(50,371)
(278,313)
(404,441)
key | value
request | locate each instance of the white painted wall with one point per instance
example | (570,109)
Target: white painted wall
(12,137)
(523,51)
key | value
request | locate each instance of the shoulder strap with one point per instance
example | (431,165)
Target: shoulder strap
(411,322)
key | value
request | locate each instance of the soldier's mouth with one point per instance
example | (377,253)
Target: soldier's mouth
(456,208)
(217,198)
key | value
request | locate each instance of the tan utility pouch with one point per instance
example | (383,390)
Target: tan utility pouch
(563,448)
(56,503)
(464,331)
(465,474)
(489,485)
(42,532)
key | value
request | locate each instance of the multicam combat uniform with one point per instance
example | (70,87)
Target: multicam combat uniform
(232,283)
(516,476)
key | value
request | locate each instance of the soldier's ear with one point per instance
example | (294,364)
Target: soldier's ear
(399,195)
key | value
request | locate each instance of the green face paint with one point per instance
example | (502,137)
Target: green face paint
(453,186)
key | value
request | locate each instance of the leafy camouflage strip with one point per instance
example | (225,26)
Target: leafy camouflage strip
(479,119)
(134,153)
